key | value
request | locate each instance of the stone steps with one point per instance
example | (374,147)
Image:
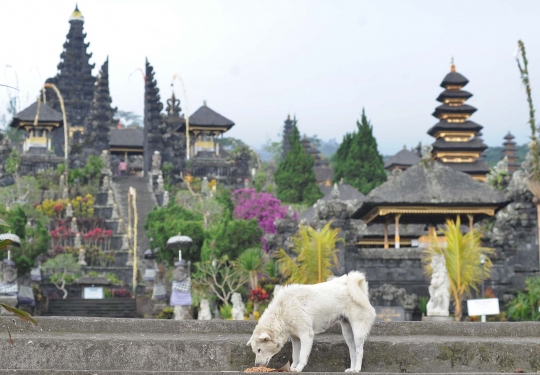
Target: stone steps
(116,346)
(107,308)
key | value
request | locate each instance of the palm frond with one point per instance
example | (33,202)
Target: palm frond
(289,268)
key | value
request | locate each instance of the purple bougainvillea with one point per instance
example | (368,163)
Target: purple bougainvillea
(249,204)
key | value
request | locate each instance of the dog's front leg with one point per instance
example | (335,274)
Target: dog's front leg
(295,352)
(306,342)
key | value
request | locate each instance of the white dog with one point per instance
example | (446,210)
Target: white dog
(301,311)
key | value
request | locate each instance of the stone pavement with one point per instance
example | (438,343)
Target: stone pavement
(118,346)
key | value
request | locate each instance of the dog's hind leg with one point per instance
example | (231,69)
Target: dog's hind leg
(349,339)
(295,352)
(359,332)
(306,342)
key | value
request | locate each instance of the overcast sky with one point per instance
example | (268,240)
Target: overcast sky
(257,61)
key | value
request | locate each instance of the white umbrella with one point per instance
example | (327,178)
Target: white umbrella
(179,242)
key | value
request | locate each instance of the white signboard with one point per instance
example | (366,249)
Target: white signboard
(93,293)
(484,306)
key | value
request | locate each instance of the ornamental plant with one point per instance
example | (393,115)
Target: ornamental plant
(264,207)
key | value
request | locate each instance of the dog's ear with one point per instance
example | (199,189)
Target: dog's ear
(249,342)
(263,337)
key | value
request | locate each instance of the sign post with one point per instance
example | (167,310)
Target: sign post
(483,307)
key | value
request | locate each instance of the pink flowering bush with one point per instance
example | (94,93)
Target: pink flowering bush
(249,204)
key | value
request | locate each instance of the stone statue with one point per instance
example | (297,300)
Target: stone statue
(396,172)
(65,194)
(166,199)
(204,310)
(129,261)
(439,289)
(205,190)
(426,152)
(62,183)
(160,184)
(77,241)
(110,198)
(114,215)
(238,307)
(74,226)
(106,185)
(335,192)
(156,162)
(120,228)
(81,260)
(181,290)
(105,157)
(125,242)
(9,270)
(69,210)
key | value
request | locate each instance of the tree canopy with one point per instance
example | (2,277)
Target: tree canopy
(358,161)
(295,177)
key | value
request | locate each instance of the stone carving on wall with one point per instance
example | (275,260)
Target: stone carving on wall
(389,295)
(238,308)
(439,289)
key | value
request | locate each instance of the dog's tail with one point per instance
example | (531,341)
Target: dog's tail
(357,286)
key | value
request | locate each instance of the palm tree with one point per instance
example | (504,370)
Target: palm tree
(251,261)
(462,255)
(316,256)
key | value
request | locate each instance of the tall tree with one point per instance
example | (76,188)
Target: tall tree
(358,160)
(295,177)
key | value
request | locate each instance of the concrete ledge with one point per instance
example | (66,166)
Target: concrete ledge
(93,372)
(121,325)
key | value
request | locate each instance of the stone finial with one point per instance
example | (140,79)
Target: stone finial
(114,215)
(81,260)
(74,227)
(69,210)
(106,158)
(65,194)
(335,192)
(106,184)
(125,242)
(62,184)
(110,198)
(238,307)
(160,183)
(396,172)
(166,199)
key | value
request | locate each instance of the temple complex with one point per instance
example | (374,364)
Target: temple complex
(457,142)
(509,151)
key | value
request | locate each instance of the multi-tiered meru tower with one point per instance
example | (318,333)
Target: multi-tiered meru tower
(458,143)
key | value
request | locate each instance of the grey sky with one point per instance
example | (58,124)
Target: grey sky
(256,61)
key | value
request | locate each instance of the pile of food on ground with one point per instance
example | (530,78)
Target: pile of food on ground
(260,369)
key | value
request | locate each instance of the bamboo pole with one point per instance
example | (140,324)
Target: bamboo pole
(66,126)
(129,215)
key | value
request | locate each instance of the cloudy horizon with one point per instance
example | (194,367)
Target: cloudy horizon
(323,61)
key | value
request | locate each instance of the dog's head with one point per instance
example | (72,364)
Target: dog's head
(265,346)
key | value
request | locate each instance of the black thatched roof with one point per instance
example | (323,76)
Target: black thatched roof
(404,158)
(323,173)
(454,78)
(458,126)
(477,167)
(453,94)
(475,144)
(445,108)
(128,138)
(207,117)
(431,185)
(46,114)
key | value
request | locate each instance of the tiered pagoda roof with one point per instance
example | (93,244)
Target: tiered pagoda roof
(509,151)
(458,142)
(287,131)
(324,173)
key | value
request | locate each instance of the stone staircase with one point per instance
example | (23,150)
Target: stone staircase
(152,346)
(146,202)
(103,308)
